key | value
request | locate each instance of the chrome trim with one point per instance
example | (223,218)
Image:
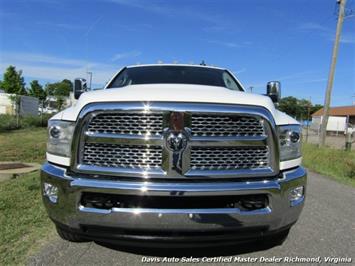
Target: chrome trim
(129,172)
(122,139)
(69,211)
(137,211)
(175,165)
(299,201)
(173,188)
(228,141)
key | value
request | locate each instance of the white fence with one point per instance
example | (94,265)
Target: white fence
(335,123)
(28,105)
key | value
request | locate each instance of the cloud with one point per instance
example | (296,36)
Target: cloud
(311,80)
(214,28)
(239,71)
(312,26)
(158,7)
(53,68)
(296,75)
(229,44)
(326,32)
(223,43)
(120,56)
(347,38)
(64,26)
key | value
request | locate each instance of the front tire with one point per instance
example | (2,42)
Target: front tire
(69,236)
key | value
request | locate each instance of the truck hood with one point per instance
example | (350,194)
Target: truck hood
(173,93)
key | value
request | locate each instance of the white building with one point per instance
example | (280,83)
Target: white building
(340,118)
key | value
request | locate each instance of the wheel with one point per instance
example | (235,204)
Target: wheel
(69,236)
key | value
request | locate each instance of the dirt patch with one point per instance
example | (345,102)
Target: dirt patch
(10,170)
(8,166)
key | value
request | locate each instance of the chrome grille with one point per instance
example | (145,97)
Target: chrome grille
(226,125)
(127,123)
(124,156)
(222,141)
(229,158)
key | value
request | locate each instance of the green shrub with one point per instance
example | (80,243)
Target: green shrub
(350,168)
(8,122)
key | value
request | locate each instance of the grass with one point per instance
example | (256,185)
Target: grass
(338,164)
(26,145)
(24,223)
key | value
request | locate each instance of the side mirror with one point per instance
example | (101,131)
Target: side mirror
(273,90)
(79,87)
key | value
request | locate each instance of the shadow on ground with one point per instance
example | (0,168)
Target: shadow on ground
(213,251)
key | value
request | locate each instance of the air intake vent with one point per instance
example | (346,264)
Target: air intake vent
(127,123)
(225,125)
(229,158)
(122,156)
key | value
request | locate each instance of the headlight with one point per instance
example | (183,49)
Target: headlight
(290,142)
(60,134)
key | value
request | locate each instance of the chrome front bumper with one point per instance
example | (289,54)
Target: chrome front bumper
(280,213)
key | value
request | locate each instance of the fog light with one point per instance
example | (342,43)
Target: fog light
(296,194)
(51,192)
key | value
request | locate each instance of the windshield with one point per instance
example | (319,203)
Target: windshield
(175,74)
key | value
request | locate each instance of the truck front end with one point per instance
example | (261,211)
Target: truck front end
(181,172)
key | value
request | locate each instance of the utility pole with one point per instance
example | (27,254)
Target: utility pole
(308,117)
(331,73)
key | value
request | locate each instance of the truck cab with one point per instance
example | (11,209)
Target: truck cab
(173,154)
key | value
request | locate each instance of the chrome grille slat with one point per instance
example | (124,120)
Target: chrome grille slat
(229,158)
(225,125)
(124,156)
(127,123)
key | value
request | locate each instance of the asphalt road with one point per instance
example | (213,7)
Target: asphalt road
(326,228)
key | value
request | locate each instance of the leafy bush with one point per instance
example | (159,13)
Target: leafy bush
(8,122)
(350,168)
(34,121)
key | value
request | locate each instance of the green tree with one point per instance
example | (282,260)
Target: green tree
(60,102)
(59,90)
(13,82)
(36,90)
(297,108)
(62,88)
(315,108)
(289,105)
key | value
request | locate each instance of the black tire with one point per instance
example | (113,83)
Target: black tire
(69,236)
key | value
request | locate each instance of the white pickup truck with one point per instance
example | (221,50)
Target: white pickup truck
(173,155)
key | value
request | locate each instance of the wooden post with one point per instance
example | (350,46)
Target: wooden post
(328,92)
(348,141)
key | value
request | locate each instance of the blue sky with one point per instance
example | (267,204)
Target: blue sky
(259,40)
